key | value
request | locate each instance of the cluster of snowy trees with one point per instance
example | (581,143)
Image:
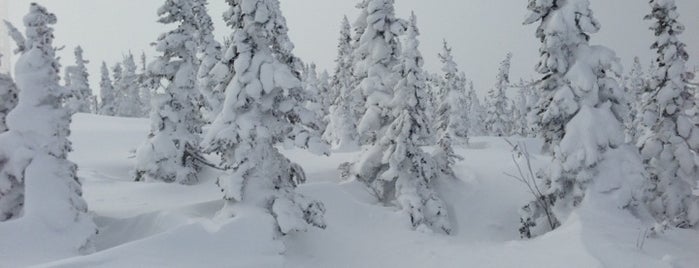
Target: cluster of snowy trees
(254,94)
(244,99)
(584,111)
(127,90)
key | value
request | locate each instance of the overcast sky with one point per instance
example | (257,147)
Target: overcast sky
(481,31)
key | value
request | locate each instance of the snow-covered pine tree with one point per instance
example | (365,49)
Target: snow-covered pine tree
(396,169)
(8,98)
(497,118)
(451,100)
(635,86)
(524,117)
(670,144)
(171,152)
(107,105)
(476,112)
(577,115)
(210,53)
(342,124)
(263,108)
(314,94)
(327,93)
(434,84)
(39,185)
(147,84)
(533,98)
(376,55)
(127,89)
(520,110)
(117,71)
(77,81)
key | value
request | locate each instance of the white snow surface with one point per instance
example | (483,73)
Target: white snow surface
(169,225)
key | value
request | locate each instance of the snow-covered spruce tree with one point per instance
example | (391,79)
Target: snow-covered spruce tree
(497,118)
(451,100)
(328,94)
(147,85)
(107,105)
(532,95)
(117,71)
(264,107)
(127,89)
(314,95)
(670,144)
(519,113)
(8,98)
(376,55)
(578,117)
(635,86)
(210,53)
(77,81)
(476,112)
(524,119)
(342,122)
(171,152)
(396,169)
(434,85)
(38,183)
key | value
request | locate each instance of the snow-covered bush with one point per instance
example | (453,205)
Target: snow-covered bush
(39,187)
(263,108)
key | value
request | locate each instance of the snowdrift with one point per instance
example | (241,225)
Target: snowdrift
(165,225)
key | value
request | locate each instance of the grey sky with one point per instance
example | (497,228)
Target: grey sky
(481,31)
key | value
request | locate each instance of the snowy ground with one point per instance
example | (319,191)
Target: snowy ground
(161,225)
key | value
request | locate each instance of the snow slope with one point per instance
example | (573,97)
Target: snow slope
(161,225)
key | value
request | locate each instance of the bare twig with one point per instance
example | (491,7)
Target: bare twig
(528,178)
